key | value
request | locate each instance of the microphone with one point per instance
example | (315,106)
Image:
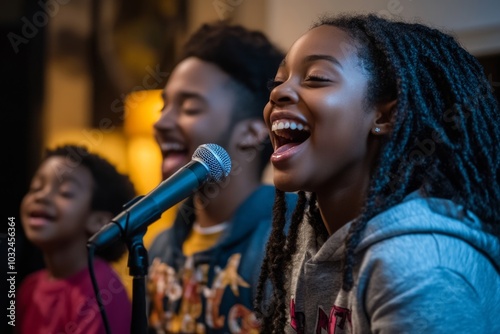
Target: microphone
(210,163)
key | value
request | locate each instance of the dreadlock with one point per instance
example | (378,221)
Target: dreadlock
(444,140)
(279,252)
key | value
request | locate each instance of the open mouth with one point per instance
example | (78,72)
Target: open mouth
(290,132)
(40,218)
(41,214)
(172,149)
(175,155)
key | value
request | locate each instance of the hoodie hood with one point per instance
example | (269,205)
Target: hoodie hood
(417,215)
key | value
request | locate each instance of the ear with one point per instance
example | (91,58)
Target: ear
(97,220)
(253,132)
(385,115)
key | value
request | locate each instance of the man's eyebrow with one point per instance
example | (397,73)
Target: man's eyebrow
(184,95)
(191,95)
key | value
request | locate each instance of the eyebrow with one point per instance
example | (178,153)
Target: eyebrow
(328,58)
(312,58)
(184,96)
(72,179)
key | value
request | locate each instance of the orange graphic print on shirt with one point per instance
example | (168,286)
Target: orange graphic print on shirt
(190,286)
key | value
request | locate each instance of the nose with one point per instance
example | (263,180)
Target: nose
(43,194)
(166,120)
(283,94)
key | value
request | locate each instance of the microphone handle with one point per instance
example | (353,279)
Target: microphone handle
(143,211)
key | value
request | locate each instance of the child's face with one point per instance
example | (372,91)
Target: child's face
(320,94)
(55,210)
(198,104)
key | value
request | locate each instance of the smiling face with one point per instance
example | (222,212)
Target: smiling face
(198,103)
(317,115)
(56,209)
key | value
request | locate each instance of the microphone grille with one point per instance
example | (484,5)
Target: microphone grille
(217,160)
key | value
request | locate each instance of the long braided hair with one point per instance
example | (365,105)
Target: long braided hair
(445,141)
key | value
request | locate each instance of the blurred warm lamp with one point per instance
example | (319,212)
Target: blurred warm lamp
(142,109)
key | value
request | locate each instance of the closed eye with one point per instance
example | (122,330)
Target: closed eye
(191,111)
(317,78)
(272,83)
(67,194)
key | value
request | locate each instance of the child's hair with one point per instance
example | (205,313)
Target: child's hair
(248,57)
(111,188)
(445,139)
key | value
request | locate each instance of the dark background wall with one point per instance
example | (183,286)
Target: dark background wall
(21,88)
(21,68)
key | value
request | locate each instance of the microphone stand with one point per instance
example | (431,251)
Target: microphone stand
(138,269)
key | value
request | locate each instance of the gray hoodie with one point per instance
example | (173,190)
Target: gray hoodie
(422,267)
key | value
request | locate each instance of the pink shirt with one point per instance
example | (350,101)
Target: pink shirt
(55,306)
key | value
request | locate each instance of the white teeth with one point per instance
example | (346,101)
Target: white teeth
(280,125)
(172,147)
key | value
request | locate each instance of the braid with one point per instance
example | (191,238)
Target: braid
(276,265)
(293,231)
(446,130)
(272,264)
(277,237)
(314,218)
(284,267)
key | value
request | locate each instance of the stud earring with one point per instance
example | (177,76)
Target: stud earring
(376,130)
